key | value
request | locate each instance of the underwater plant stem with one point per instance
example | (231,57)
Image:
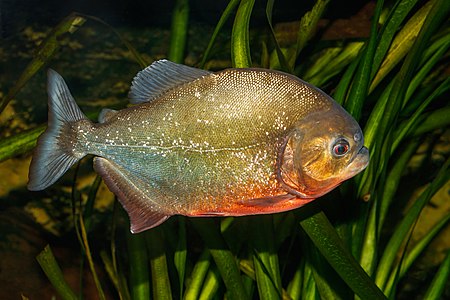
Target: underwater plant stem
(432,121)
(198,276)
(116,279)
(210,286)
(398,46)
(87,249)
(223,19)
(139,267)
(181,254)
(440,280)
(224,259)
(240,41)
(402,233)
(294,289)
(134,53)
(178,33)
(158,263)
(89,207)
(19,143)
(380,132)
(50,267)
(307,28)
(281,58)
(380,206)
(265,258)
(44,53)
(326,239)
(359,89)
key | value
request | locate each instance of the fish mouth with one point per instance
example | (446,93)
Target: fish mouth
(359,162)
(362,158)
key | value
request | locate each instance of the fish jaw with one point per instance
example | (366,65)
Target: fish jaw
(359,163)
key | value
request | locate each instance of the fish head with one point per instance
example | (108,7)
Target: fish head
(321,151)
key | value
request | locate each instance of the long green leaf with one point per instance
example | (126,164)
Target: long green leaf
(87,251)
(330,63)
(390,28)
(158,263)
(309,286)
(329,284)
(223,19)
(211,285)
(326,239)
(224,259)
(50,267)
(413,120)
(117,279)
(434,18)
(403,40)
(421,245)
(240,41)
(440,280)
(294,289)
(396,96)
(346,81)
(198,275)
(307,28)
(401,233)
(139,278)
(265,259)
(359,89)
(431,57)
(281,57)
(45,52)
(181,254)
(393,180)
(432,121)
(19,143)
(178,33)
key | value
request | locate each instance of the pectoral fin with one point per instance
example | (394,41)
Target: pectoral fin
(257,206)
(274,204)
(144,213)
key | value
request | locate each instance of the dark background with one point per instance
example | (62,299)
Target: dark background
(16,14)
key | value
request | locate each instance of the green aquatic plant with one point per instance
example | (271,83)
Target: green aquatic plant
(393,82)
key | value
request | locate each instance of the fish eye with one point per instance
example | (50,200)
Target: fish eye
(340,148)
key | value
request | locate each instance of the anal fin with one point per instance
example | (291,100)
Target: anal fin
(143,212)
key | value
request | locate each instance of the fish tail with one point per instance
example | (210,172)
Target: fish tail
(55,153)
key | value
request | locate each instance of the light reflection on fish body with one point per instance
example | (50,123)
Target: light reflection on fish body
(231,143)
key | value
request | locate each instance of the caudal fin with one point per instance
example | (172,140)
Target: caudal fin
(54,153)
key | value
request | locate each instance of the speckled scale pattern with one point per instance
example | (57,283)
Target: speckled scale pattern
(213,138)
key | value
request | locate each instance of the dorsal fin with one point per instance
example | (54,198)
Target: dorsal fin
(159,77)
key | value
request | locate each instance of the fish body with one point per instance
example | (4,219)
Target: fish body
(231,143)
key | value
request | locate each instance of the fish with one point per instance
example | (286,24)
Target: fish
(241,141)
